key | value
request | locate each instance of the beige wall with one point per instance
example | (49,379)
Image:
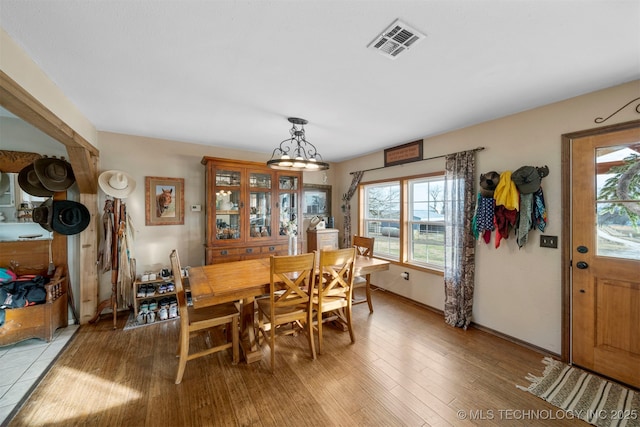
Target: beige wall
(517,290)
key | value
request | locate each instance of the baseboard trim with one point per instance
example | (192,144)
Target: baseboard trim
(498,334)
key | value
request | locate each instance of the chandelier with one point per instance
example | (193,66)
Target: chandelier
(296,153)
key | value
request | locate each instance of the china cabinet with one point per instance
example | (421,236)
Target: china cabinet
(251,210)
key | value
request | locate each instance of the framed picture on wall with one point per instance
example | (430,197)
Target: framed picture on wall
(164,201)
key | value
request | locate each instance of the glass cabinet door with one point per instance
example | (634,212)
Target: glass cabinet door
(288,204)
(227,188)
(259,205)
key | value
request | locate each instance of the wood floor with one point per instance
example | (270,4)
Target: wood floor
(407,368)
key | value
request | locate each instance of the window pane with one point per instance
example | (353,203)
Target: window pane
(618,203)
(382,218)
(426,222)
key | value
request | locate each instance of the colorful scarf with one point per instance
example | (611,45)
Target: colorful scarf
(539,210)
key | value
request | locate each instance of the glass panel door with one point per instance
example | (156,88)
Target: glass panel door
(259,205)
(288,203)
(227,204)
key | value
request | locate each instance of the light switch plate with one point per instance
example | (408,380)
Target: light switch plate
(196,208)
(548,241)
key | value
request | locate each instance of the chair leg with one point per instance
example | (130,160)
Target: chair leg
(348,316)
(312,340)
(272,344)
(319,332)
(183,351)
(235,332)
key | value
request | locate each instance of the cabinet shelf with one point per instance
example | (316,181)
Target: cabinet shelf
(156,297)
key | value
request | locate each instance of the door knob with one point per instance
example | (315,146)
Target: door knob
(582,265)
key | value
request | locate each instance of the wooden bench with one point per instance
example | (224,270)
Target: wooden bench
(40,320)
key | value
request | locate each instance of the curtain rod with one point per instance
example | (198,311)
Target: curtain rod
(428,158)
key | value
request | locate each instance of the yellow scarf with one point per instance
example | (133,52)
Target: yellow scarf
(506,193)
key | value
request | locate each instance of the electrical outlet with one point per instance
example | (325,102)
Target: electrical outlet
(548,241)
(405,275)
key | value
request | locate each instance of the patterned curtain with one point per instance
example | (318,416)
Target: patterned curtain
(346,198)
(459,259)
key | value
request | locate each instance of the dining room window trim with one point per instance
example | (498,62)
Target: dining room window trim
(367,223)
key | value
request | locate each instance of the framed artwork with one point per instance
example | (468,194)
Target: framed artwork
(316,200)
(164,200)
(406,153)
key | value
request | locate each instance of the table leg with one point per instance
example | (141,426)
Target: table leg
(248,341)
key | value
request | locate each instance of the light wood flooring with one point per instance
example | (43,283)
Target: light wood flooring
(407,368)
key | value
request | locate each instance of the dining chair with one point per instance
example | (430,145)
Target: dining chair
(333,289)
(202,320)
(364,247)
(289,301)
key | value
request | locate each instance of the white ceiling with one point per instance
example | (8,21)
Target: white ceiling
(229,73)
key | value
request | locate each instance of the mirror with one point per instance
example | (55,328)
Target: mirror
(316,201)
(7,191)
(20,137)
(16,204)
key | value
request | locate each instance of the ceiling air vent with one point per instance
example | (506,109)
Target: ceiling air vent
(397,38)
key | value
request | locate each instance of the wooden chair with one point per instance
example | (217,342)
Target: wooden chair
(364,247)
(289,301)
(333,289)
(202,320)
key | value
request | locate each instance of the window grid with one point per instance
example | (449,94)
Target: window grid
(410,232)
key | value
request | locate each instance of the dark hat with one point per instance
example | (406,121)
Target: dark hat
(54,174)
(488,183)
(64,216)
(528,178)
(29,182)
(43,214)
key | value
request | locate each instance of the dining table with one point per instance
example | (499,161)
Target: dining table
(243,281)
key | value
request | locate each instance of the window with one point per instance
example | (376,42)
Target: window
(426,222)
(381,218)
(406,218)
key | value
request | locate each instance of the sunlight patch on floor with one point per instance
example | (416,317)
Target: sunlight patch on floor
(105,394)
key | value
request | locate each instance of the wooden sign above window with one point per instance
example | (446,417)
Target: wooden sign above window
(405,153)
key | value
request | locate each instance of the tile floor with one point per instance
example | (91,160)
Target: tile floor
(23,364)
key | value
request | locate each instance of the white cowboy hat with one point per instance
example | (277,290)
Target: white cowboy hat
(116,183)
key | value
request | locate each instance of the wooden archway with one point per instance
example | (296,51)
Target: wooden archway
(84,159)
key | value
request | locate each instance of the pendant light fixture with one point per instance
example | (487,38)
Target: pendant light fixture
(296,153)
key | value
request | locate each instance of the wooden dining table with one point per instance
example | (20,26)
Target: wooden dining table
(243,281)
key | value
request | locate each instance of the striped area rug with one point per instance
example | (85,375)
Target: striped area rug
(586,396)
